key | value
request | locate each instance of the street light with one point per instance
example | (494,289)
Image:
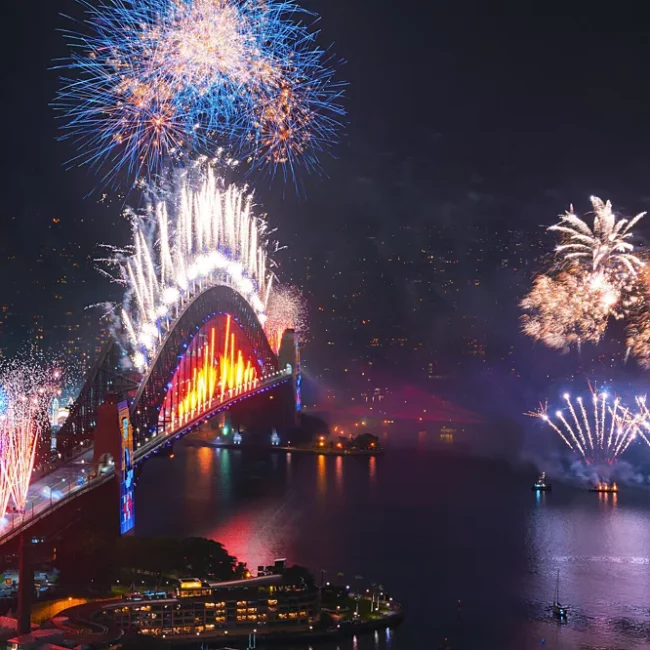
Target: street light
(356,580)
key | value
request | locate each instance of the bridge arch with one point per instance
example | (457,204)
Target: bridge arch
(201,311)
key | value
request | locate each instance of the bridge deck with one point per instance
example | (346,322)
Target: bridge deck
(63,484)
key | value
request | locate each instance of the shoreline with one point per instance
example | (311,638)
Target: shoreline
(325,451)
(105,634)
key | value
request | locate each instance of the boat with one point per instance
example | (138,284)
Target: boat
(605,487)
(540,485)
(559,611)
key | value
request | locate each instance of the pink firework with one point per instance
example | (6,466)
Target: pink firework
(30,388)
(286,309)
(5,482)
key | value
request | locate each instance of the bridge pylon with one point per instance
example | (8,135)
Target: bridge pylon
(113,452)
(106,377)
(289,355)
(25,585)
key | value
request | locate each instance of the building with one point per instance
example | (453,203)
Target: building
(203,608)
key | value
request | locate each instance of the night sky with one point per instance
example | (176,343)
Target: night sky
(469,131)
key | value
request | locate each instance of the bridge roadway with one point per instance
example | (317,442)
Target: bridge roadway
(71,480)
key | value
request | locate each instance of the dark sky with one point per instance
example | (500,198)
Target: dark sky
(460,115)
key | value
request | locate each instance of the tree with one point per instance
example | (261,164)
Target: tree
(310,427)
(366,441)
(194,556)
(299,576)
(86,562)
(207,558)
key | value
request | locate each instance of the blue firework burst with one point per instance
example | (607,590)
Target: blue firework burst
(149,81)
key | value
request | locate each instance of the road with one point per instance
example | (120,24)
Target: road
(74,475)
(51,488)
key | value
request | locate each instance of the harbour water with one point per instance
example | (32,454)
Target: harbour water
(434,528)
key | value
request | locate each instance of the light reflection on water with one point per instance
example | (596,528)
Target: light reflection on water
(321,474)
(433,529)
(339,475)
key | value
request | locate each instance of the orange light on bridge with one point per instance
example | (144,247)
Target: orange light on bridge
(218,365)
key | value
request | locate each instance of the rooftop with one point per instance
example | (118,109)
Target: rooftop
(247,582)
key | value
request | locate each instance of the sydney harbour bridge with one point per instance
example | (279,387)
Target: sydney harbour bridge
(215,356)
(197,335)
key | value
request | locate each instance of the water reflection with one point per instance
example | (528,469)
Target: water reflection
(605,501)
(224,473)
(198,477)
(372,468)
(425,515)
(339,474)
(239,536)
(205,460)
(321,474)
(597,545)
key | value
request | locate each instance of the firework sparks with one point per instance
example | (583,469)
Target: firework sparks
(639,422)
(606,246)
(567,309)
(294,122)
(287,309)
(154,79)
(30,388)
(597,428)
(5,476)
(638,326)
(596,277)
(203,233)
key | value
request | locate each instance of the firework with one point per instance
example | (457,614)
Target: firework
(151,80)
(606,246)
(202,233)
(596,277)
(5,476)
(638,324)
(293,123)
(567,309)
(597,428)
(30,388)
(639,422)
(286,309)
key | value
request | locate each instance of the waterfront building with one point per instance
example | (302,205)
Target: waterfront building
(204,607)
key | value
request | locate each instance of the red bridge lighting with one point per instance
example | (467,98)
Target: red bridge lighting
(218,365)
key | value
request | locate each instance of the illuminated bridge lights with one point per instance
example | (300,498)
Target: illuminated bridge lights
(218,365)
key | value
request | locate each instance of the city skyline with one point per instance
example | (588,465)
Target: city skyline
(442,212)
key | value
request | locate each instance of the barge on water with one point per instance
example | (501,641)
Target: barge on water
(604,487)
(540,485)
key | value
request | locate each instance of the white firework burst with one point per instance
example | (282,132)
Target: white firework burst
(202,234)
(605,245)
